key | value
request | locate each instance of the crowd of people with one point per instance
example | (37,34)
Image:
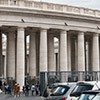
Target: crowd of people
(16,90)
(34,89)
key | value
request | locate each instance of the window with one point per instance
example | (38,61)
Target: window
(60,90)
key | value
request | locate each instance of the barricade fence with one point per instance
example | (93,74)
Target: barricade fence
(48,78)
(73,76)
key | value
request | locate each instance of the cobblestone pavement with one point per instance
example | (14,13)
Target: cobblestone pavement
(22,97)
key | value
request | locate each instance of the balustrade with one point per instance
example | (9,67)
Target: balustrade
(51,7)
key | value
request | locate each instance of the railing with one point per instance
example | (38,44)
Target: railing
(72,76)
(51,7)
(48,78)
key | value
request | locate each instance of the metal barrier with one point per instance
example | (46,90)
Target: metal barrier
(47,78)
(73,76)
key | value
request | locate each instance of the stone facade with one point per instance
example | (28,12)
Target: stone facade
(75,28)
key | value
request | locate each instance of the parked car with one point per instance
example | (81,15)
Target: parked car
(89,95)
(60,92)
(56,84)
(81,87)
(97,97)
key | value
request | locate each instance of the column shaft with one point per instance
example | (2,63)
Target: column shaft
(63,51)
(73,53)
(11,55)
(95,52)
(27,59)
(81,52)
(20,56)
(1,67)
(90,54)
(32,55)
(43,50)
(63,56)
(69,52)
(51,63)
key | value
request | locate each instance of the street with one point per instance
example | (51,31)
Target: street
(22,97)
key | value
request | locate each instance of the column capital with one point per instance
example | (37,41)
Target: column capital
(21,27)
(12,29)
(64,30)
(98,30)
(44,28)
(95,34)
(81,32)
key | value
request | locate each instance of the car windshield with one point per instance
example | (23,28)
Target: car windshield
(59,90)
(80,88)
(87,97)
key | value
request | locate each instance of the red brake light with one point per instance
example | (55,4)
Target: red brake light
(64,99)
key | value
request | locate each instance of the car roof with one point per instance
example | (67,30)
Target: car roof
(62,86)
(98,94)
(65,83)
(91,92)
(86,83)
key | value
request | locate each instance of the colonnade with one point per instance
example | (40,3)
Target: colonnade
(77,51)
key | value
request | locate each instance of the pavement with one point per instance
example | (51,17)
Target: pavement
(22,97)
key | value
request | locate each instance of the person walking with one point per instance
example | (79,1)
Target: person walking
(6,88)
(18,90)
(27,88)
(9,89)
(33,89)
(15,89)
(37,89)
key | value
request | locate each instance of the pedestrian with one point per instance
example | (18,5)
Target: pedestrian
(33,89)
(15,89)
(6,88)
(24,89)
(10,89)
(27,88)
(0,84)
(37,89)
(18,90)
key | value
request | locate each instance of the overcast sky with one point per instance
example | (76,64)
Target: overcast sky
(94,4)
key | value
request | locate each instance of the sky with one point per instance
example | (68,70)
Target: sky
(93,4)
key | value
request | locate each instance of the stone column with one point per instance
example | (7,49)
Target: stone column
(27,59)
(5,67)
(11,54)
(95,53)
(43,50)
(1,67)
(37,53)
(51,63)
(26,51)
(69,52)
(63,55)
(73,53)
(32,55)
(20,56)
(81,54)
(87,55)
(76,54)
(90,54)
